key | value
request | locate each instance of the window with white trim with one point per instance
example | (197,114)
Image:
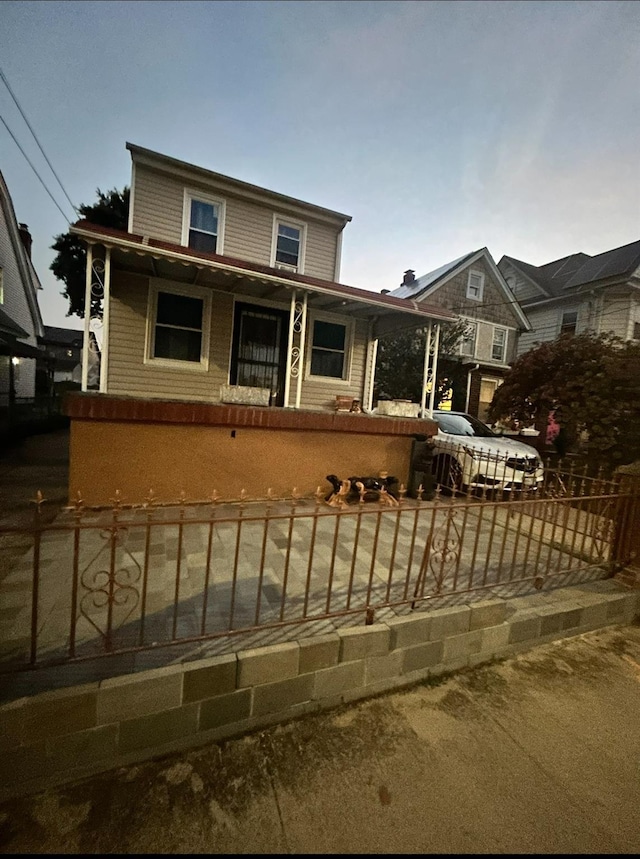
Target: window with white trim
(468,342)
(178,333)
(475,285)
(288,245)
(499,345)
(569,321)
(203,221)
(329,348)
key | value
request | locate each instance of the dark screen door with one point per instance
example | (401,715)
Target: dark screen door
(258,357)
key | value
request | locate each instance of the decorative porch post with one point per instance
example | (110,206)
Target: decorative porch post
(434,368)
(87,317)
(106,301)
(368,398)
(425,371)
(287,375)
(297,362)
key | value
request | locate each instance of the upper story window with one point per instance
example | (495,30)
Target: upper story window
(569,322)
(203,223)
(329,348)
(468,342)
(178,326)
(636,330)
(288,245)
(475,285)
(499,345)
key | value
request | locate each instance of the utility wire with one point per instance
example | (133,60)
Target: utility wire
(44,154)
(15,140)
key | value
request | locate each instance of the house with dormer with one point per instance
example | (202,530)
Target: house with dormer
(578,293)
(473,289)
(230,349)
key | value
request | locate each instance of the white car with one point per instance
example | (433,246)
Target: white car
(468,454)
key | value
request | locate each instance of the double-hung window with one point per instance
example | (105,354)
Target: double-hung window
(499,346)
(568,321)
(329,349)
(203,223)
(475,285)
(468,342)
(178,327)
(288,245)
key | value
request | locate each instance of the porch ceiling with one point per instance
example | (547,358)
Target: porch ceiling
(151,258)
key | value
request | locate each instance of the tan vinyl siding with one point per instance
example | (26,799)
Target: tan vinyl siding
(522,289)
(128,374)
(320,256)
(158,203)
(545,327)
(321,393)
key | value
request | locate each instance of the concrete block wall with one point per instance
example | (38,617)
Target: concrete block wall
(60,736)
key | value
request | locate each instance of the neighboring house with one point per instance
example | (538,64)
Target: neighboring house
(65,346)
(20,319)
(221,291)
(577,294)
(473,288)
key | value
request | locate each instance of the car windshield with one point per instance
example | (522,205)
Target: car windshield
(462,425)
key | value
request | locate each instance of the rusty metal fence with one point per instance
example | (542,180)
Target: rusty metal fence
(98,581)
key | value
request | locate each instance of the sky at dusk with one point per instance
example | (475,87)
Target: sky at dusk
(440,127)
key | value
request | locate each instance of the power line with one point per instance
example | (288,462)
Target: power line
(44,154)
(15,140)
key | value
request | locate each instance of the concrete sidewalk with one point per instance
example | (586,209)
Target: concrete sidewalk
(538,754)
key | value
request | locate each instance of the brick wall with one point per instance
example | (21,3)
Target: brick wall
(60,736)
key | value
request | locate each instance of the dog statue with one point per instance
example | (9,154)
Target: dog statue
(354,488)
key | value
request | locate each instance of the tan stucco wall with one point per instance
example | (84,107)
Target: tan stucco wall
(168,458)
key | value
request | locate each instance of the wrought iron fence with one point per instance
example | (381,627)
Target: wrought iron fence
(132,577)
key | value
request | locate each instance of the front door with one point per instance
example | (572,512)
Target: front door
(259,352)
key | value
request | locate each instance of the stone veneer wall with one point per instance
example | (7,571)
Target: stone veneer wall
(60,736)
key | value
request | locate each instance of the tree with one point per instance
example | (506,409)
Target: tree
(592,386)
(400,364)
(111,210)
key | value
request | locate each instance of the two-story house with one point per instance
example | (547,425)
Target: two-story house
(20,319)
(472,288)
(222,298)
(577,294)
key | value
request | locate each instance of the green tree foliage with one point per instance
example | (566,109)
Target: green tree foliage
(111,210)
(593,385)
(400,364)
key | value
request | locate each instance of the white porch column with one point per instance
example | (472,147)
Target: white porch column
(106,301)
(87,318)
(425,371)
(434,367)
(368,402)
(303,335)
(287,375)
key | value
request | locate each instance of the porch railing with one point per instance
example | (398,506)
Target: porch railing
(98,581)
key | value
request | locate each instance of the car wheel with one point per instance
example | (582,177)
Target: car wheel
(447,472)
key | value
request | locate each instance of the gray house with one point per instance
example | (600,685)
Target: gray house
(578,293)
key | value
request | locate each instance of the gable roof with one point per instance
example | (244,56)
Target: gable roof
(579,269)
(62,336)
(158,160)
(427,284)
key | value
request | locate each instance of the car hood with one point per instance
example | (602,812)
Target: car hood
(499,447)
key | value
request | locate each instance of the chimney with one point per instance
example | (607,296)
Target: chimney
(385,291)
(25,235)
(409,277)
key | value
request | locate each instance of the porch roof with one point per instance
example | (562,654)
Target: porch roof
(154,258)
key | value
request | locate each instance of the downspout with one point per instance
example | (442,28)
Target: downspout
(469,372)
